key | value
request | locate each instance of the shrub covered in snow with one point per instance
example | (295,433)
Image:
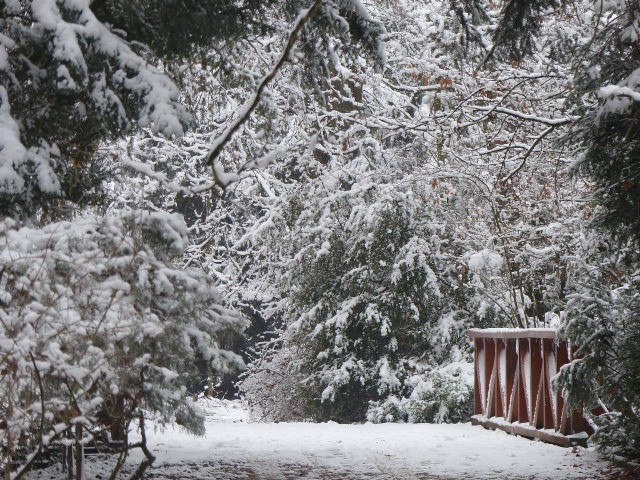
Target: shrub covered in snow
(436,395)
(97,324)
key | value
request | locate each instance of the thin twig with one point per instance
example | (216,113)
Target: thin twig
(528,153)
(34,455)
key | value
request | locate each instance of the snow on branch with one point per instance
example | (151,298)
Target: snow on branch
(527,154)
(222,179)
(524,116)
(112,86)
(12,152)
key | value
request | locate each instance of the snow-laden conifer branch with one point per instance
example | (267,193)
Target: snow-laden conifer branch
(67,82)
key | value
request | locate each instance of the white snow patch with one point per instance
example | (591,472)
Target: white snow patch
(389,450)
(485,259)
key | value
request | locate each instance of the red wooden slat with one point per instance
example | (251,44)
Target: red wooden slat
(548,358)
(489,367)
(538,408)
(498,384)
(477,398)
(523,383)
(577,422)
(562,358)
(535,355)
(511,367)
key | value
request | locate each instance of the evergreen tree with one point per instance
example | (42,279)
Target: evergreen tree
(376,308)
(68,81)
(609,132)
(602,315)
(602,318)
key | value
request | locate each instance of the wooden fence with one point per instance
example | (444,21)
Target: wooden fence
(514,369)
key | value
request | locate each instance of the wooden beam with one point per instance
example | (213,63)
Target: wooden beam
(512,333)
(477,398)
(530,432)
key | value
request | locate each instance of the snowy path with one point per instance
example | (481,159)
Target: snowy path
(234,449)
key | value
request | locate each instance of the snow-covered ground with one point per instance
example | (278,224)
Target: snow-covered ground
(234,448)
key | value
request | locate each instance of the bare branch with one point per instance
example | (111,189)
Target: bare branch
(528,153)
(149,457)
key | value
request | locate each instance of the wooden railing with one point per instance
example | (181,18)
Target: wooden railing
(514,369)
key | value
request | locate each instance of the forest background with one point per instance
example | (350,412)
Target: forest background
(351,184)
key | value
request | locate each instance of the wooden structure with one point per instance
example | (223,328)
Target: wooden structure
(514,369)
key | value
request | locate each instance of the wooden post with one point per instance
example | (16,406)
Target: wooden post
(477,396)
(548,365)
(500,381)
(79,453)
(489,368)
(562,358)
(525,380)
(512,371)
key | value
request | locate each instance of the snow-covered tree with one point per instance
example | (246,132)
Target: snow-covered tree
(99,312)
(609,65)
(73,74)
(371,201)
(68,81)
(602,53)
(375,304)
(98,326)
(497,115)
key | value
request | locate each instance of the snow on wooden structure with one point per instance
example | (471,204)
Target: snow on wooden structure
(513,376)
